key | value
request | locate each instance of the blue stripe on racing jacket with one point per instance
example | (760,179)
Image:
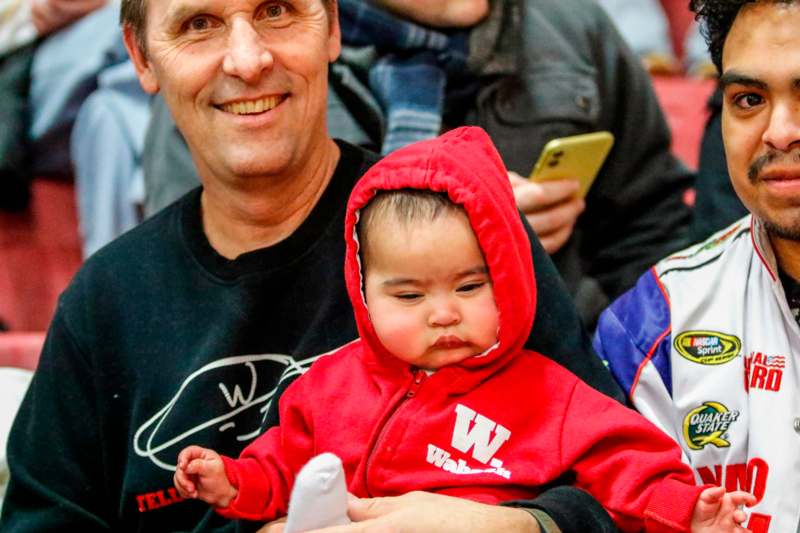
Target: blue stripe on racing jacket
(635,330)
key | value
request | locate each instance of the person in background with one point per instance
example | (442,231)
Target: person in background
(24,22)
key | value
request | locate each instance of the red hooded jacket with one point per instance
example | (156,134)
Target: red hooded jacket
(491,428)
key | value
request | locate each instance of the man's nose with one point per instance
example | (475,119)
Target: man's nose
(783,130)
(247,54)
(444,313)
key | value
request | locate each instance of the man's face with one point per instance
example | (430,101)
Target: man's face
(246,80)
(761,113)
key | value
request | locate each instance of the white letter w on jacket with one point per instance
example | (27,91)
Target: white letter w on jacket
(478,436)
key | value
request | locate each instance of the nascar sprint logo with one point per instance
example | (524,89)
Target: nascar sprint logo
(707,347)
(708,424)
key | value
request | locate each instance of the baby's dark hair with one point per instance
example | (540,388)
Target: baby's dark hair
(716,18)
(402,206)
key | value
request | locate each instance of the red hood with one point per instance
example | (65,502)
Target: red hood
(465,164)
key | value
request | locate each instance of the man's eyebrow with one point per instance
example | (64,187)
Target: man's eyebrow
(731,77)
(180,12)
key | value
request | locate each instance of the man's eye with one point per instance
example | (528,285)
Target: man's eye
(200,23)
(747,100)
(273,11)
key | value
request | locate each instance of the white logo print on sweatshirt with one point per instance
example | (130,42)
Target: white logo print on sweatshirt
(235,402)
(475,432)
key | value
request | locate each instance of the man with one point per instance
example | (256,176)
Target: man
(706,343)
(181,330)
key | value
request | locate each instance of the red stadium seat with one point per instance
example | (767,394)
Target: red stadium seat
(39,254)
(20,350)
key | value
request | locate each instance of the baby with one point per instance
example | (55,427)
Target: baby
(438,393)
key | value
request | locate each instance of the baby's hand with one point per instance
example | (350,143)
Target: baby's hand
(718,511)
(201,474)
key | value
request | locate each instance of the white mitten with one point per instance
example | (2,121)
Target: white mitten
(319,496)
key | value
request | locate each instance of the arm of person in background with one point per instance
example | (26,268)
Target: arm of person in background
(51,15)
(442,14)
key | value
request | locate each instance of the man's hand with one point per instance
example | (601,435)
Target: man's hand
(551,207)
(422,512)
(51,15)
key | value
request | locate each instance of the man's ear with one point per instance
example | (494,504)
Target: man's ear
(334,34)
(141,63)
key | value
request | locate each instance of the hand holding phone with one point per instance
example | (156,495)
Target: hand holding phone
(552,208)
(578,157)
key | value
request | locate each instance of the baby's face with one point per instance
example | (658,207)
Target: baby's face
(428,291)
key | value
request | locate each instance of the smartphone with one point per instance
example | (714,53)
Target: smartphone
(577,157)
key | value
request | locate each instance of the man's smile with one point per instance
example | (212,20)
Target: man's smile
(252,107)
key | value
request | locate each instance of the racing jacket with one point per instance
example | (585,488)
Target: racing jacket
(704,345)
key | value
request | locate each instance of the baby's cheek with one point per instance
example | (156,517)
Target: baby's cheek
(398,334)
(488,319)
(400,329)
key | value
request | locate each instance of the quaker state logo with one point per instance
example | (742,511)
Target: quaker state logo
(708,424)
(707,347)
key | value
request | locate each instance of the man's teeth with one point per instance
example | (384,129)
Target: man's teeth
(253,106)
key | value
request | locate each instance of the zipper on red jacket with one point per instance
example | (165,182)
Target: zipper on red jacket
(419,377)
(416,382)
